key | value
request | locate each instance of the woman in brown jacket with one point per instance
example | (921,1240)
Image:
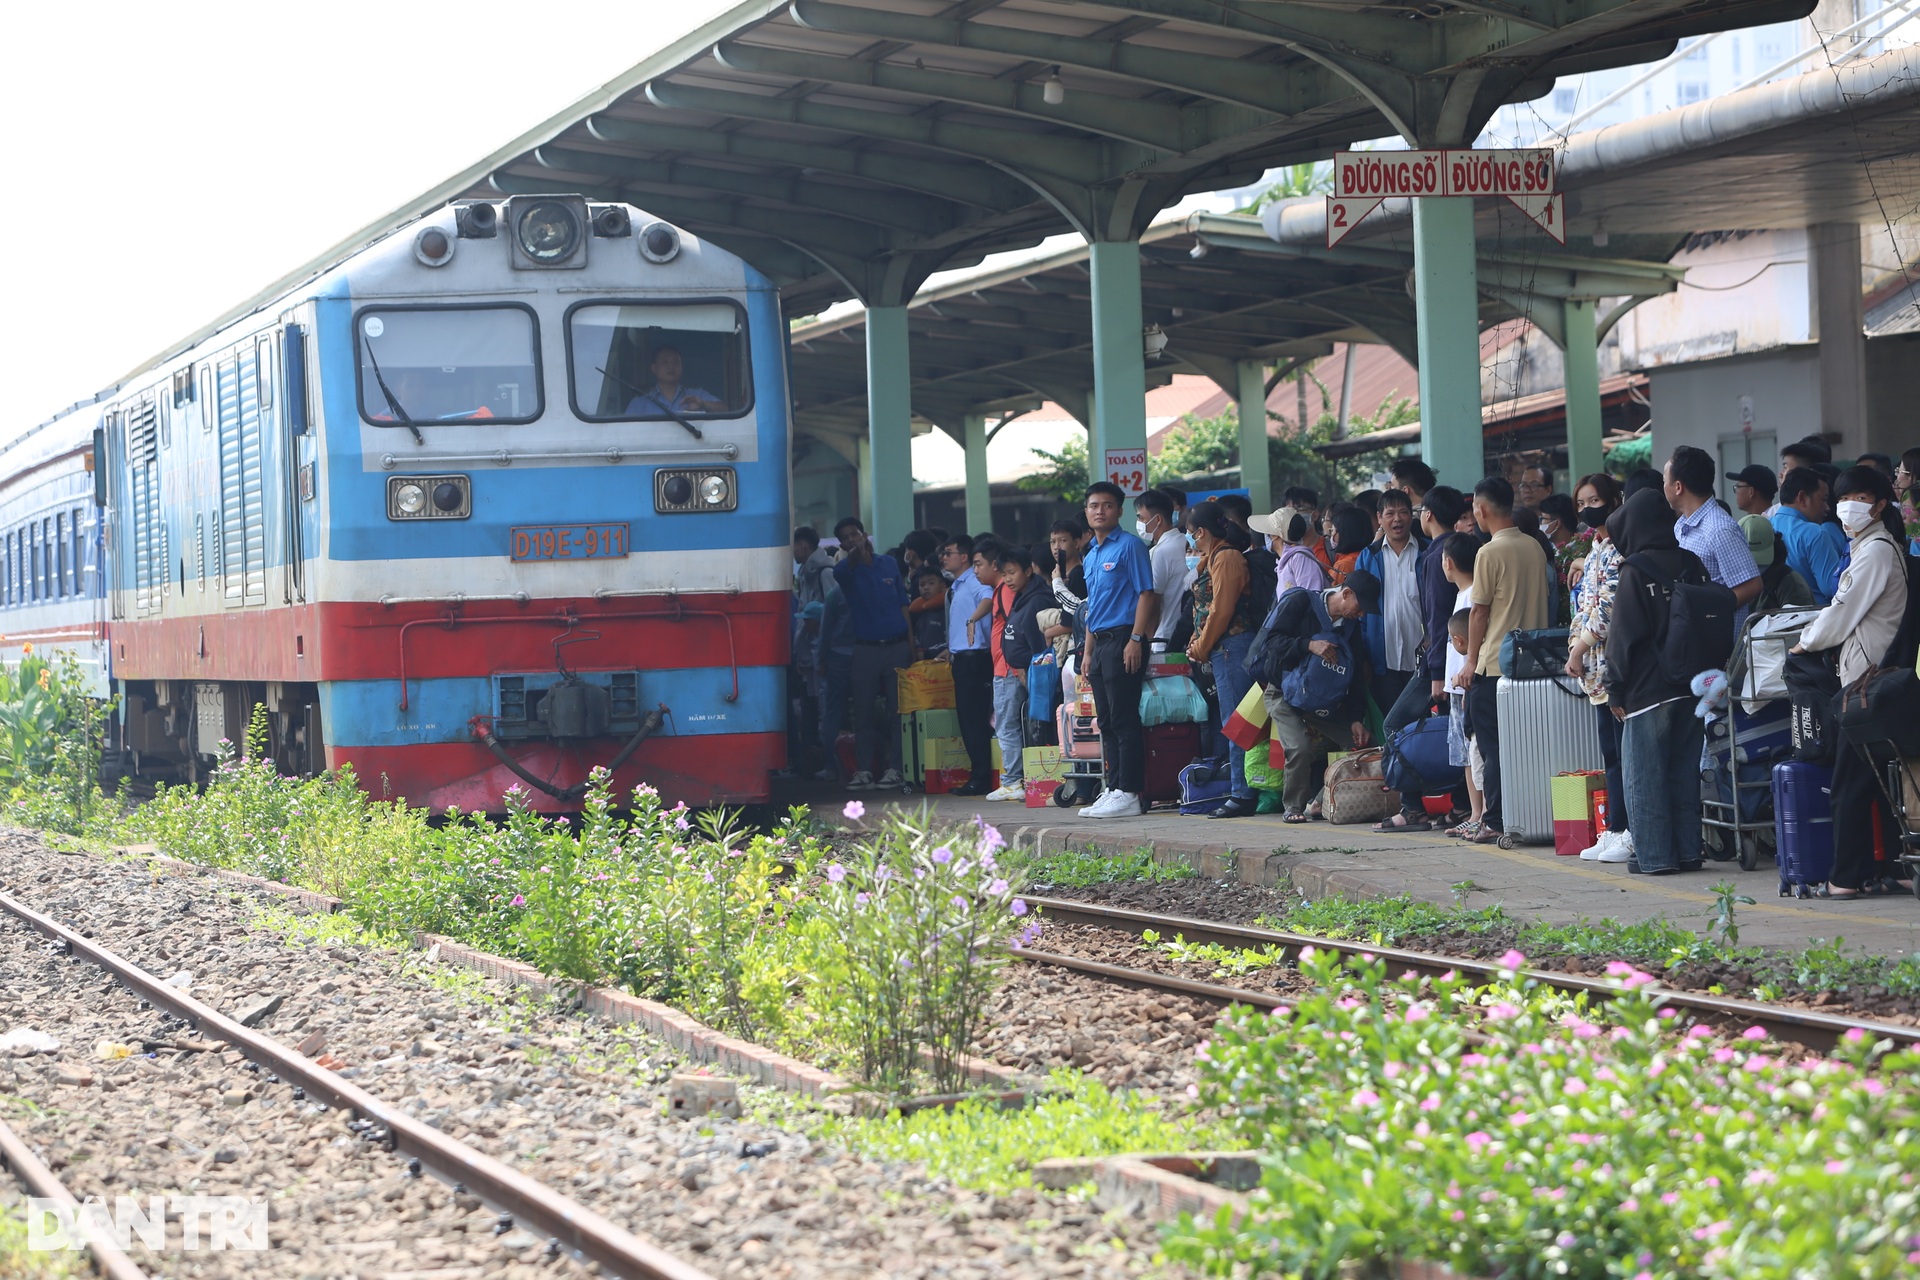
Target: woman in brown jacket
(1223,629)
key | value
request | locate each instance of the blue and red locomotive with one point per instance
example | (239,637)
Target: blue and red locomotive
(494,500)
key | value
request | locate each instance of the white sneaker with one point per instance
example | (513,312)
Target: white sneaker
(1008,792)
(861,781)
(1125,804)
(890,781)
(1593,851)
(1621,850)
(1099,802)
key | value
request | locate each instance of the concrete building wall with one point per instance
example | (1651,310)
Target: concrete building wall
(1738,408)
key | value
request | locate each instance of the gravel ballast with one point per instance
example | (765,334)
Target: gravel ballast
(577,1104)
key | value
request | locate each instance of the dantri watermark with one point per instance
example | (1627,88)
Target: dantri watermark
(203,1222)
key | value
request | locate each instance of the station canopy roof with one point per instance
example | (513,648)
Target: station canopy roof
(851,149)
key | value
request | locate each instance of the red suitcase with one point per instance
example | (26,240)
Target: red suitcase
(1170,748)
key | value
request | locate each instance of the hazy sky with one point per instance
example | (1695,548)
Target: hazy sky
(165,161)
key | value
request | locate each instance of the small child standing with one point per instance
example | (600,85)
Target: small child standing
(1456,561)
(928,613)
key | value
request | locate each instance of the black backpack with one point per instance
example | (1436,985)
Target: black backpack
(1263,581)
(1699,621)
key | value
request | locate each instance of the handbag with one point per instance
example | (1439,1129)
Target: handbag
(1534,655)
(1883,706)
(1172,700)
(1043,686)
(1357,789)
(1813,682)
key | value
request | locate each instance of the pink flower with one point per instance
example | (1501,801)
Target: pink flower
(1502,1011)
(1630,1205)
(1637,979)
(854,811)
(1758,1062)
(519,900)
(1477,1139)
(1618,968)
(1392,1070)
(1418,1012)
(1365,1098)
(1836,1166)
(1513,961)
(1698,1032)
(1855,1035)
(1575,1085)
(1430,1103)
(1723,1054)
(1193,1091)
(1474,1059)
(1521,1117)
(1754,1033)
(1670,1197)
(1873,1087)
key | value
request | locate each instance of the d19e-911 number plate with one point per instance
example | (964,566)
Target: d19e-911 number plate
(568,542)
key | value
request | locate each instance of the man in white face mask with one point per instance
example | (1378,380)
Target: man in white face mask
(1153,521)
(1861,623)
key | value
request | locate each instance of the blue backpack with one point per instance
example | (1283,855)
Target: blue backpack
(1417,761)
(1318,686)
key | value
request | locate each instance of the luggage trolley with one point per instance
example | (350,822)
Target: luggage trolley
(1902,782)
(1081,748)
(1736,795)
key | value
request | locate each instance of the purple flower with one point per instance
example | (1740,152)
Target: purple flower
(991,839)
(1018,906)
(519,900)
(861,899)
(998,889)
(943,855)
(958,902)
(854,811)
(680,823)
(835,872)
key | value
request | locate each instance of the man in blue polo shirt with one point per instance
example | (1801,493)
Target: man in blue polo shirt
(1121,611)
(972,663)
(876,593)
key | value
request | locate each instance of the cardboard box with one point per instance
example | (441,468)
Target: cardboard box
(945,753)
(1572,796)
(1044,764)
(941,782)
(1040,791)
(1169,664)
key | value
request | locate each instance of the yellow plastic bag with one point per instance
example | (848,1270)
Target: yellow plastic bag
(925,686)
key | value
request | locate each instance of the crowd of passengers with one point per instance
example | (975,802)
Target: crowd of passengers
(1421,579)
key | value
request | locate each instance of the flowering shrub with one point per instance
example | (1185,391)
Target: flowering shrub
(50,738)
(907,935)
(1506,1131)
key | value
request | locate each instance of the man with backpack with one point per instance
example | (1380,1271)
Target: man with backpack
(1670,622)
(1309,655)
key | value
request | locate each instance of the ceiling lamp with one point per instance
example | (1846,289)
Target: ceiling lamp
(1052,91)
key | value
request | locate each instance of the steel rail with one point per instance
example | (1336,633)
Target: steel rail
(16,1155)
(1148,980)
(543,1210)
(1806,1027)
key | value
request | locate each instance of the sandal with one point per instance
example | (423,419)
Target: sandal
(1294,817)
(1843,895)
(1465,831)
(1400,822)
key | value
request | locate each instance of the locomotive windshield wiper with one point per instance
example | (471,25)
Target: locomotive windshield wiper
(393,402)
(664,407)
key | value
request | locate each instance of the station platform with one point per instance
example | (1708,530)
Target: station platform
(1319,859)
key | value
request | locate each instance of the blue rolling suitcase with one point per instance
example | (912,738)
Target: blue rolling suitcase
(1205,785)
(1803,825)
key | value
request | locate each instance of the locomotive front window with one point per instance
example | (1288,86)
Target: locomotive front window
(658,362)
(428,366)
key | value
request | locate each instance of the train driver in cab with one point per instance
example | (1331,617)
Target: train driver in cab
(668,396)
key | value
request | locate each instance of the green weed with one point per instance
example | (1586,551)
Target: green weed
(1227,962)
(1082,868)
(978,1145)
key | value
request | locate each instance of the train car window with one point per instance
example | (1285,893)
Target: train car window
(263,370)
(430,366)
(208,394)
(79,551)
(60,554)
(655,361)
(46,558)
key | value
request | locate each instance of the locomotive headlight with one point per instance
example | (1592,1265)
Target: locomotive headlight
(442,497)
(548,232)
(681,490)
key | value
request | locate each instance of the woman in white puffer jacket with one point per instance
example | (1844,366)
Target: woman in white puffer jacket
(1861,623)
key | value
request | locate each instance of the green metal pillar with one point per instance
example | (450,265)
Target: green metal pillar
(863,481)
(1119,364)
(889,426)
(1584,454)
(979,497)
(1255,462)
(1447,310)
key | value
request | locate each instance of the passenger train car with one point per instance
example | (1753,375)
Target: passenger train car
(494,500)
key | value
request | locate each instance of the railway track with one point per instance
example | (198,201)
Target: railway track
(520,1200)
(1809,1028)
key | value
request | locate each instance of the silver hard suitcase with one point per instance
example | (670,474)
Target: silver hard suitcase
(1544,730)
